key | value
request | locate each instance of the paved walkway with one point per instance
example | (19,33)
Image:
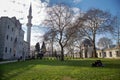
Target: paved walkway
(3,62)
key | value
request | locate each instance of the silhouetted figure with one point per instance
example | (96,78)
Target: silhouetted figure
(97,63)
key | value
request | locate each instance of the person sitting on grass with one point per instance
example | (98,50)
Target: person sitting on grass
(97,63)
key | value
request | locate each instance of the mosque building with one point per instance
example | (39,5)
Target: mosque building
(12,44)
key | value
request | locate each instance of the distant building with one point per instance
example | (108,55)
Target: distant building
(86,48)
(12,44)
(112,52)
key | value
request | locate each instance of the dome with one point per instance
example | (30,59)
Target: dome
(87,42)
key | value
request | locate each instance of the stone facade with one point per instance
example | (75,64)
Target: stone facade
(12,45)
(86,51)
(109,53)
(25,50)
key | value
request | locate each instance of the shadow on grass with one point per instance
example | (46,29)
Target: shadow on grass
(10,70)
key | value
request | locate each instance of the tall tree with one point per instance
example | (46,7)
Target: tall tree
(60,18)
(49,37)
(70,48)
(95,21)
(37,47)
(75,42)
(43,48)
(116,34)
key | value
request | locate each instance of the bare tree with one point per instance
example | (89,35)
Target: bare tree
(116,34)
(74,44)
(70,48)
(95,22)
(104,42)
(49,37)
(60,19)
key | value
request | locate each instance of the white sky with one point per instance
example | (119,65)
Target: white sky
(19,9)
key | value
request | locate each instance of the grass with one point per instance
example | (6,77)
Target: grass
(79,69)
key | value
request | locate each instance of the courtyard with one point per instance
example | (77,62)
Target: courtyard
(74,69)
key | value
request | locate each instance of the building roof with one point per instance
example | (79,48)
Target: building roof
(13,20)
(87,42)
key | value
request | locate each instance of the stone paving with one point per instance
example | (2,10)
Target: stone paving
(3,62)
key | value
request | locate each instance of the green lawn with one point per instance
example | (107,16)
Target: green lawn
(79,69)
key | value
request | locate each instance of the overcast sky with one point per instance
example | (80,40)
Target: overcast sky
(19,9)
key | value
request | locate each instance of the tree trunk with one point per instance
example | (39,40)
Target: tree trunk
(94,54)
(62,53)
(79,54)
(52,47)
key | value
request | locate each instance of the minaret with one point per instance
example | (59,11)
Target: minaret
(29,25)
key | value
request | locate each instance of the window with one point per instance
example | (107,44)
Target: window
(8,27)
(104,54)
(7,37)
(12,29)
(11,38)
(117,54)
(16,40)
(10,50)
(6,49)
(100,54)
(14,55)
(110,54)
